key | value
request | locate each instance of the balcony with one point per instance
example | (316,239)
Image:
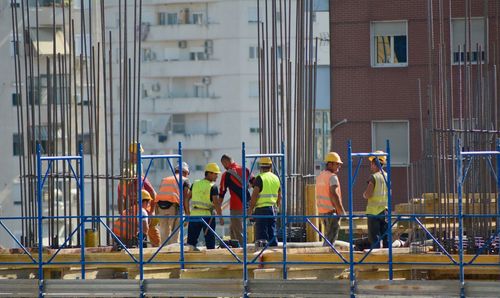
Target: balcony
(195,140)
(183,105)
(180,32)
(187,68)
(163,2)
(47,17)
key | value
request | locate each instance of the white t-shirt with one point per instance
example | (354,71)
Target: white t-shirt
(334,180)
(145,219)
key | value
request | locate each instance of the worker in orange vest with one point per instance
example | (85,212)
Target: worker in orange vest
(127,191)
(126,228)
(167,203)
(329,197)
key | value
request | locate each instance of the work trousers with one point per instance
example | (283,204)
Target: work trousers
(331,228)
(236,228)
(265,228)
(196,226)
(168,225)
(377,226)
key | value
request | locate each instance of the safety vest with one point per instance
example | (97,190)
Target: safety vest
(200,201)
(378,201)
(269,193)
(169,190)
(126,228)
(323,201)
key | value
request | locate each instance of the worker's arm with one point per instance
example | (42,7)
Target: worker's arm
(369,190)
(187,197)
(218,208)
(278,202)
(253,200)
(150,189)
(336,199)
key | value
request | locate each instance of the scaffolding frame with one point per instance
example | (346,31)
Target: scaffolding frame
(248,286)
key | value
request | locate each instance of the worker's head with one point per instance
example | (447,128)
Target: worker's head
(211,171)
(226,161)
(146,199)
(132,148)
(382,159)
(185,169)
(265,164)
(333,161)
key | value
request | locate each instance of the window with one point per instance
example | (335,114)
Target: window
(253,89)
(389,44)
(17,145)
(146,126)
(196,54)
(254,125)
(253,53)
(172,18)
(15,42)
(397,132)
(86,141)
(252,15)
(200,91)
(162,18)
(197,18)
(178,123)
(16,99)
(458,39)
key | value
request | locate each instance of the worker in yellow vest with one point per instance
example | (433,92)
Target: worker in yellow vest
(329,197)
(126,227)
(377,195)
(266,199)
(204,198)
(167,203)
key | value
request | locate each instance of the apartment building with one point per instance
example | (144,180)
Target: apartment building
(42,44)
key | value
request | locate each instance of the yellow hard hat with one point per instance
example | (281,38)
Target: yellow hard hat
(333,157)
(146,195)
(133,148)
(212,167)
(381,159)
(265,161)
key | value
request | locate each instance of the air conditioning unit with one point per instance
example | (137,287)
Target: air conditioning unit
(209,47)
(156,87)
(206,80)
(183,44)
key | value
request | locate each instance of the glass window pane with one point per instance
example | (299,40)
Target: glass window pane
(400,49)
(383,49)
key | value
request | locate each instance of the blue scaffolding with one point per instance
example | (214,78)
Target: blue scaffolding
(248,286)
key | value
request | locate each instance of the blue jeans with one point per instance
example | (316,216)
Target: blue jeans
(195,227)
(377,226)
(265,228)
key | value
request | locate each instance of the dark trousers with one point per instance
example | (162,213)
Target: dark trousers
(377,226)
(265,228)
(331,227)
(194,229)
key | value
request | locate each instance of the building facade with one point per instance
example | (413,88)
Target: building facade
(397,73)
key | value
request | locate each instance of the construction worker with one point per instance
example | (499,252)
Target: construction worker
(377,196)
(167,202)
(204,198)
(266,199)
(232,179)
(130,223)
(126,189)
(329,197)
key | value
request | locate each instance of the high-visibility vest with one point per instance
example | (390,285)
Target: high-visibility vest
(270,188)
(323,201)
(169,189)
(125,228)
(200,199)
(378,201)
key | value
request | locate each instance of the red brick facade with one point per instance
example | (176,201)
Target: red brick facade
(362,93)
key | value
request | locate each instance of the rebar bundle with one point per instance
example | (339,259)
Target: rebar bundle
(287,84)
(462,87)
(67,95)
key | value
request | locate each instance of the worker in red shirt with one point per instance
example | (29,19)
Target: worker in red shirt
(232,179)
